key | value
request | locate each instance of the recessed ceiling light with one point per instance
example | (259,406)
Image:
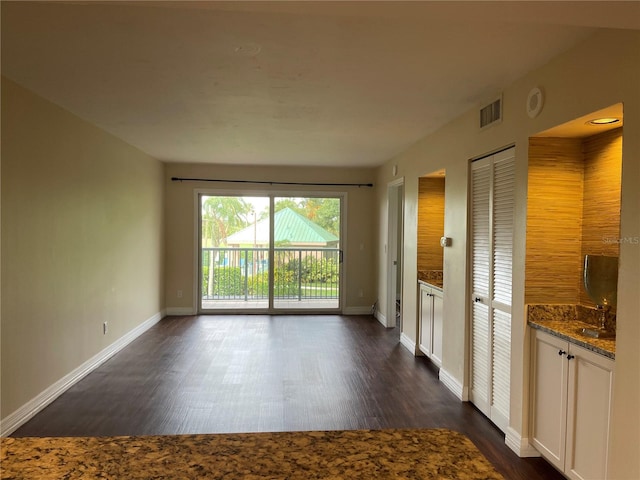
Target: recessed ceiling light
(603,121)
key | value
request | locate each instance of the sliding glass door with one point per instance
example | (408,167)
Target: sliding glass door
(261,253)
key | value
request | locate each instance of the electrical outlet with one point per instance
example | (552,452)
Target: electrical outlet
(179,293)
(105,328)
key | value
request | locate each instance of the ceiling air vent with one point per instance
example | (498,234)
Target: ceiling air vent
(491,114)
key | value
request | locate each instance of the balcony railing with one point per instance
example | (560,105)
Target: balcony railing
(230,273)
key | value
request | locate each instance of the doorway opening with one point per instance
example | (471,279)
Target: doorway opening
(395,224)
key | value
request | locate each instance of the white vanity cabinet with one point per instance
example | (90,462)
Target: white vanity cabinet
(570,406)
(430,327)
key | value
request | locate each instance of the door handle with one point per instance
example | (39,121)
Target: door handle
(477,300)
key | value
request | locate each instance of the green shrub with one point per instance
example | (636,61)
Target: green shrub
(227,281)
(286,283)
(319,270)
(205,280)
(258,285)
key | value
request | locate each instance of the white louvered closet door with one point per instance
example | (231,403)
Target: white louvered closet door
(492,253)
(480,279)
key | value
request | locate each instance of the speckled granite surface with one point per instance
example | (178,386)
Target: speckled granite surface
(368,454)
(572,312)
(432,277)
(562,321)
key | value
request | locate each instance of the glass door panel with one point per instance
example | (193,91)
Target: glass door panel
(234,253)
(306,253)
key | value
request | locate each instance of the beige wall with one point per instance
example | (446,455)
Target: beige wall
(600,72)
(181,222)
(82,242)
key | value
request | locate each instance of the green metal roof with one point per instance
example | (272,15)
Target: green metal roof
(290,227)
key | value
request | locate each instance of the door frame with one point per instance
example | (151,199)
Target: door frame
(271,195)
(395,241)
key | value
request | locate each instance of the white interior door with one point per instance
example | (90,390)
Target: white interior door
(502,281)
(492,212)
(480,391)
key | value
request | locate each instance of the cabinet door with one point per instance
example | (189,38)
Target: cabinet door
(426,313)
(588,414)
(436,345)
(549,396)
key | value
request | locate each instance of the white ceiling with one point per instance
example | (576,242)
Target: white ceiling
(285,83)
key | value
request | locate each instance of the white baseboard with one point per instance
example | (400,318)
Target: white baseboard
(453,385)
(365,310)
(519,445)
(180,311)
(381,318)
(407,343)
(15,420)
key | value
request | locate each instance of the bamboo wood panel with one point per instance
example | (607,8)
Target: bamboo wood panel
(554,212)
(573,209)
(601,207)
(430,223)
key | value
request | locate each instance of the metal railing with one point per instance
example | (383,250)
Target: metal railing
(230,273)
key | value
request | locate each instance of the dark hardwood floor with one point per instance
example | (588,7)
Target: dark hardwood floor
(219,374)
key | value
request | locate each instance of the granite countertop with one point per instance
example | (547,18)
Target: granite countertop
(431,283)
(346,455)
(431,278)
(569,330)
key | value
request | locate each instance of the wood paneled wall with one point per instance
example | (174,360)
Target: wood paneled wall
(554,218)
(573,208)
(601,206)
(430,222)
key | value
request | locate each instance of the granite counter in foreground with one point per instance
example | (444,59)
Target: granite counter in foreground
(346,455)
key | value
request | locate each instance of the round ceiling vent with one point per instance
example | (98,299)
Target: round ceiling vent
(535,102)
(248,49)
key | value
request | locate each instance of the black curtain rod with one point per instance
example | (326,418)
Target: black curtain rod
(180,179)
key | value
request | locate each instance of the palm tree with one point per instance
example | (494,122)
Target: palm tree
(221,217)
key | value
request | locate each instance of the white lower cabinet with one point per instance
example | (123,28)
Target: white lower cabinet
(571,406)
(430,328)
